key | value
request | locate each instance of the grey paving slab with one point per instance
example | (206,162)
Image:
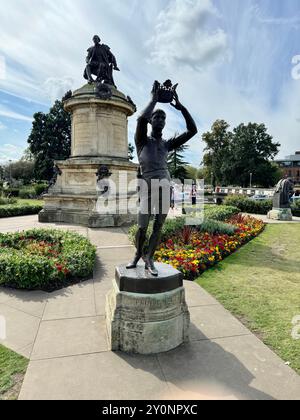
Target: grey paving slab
(113,237)
(101,290)
(213,321)
(196,296)
(103,376)
(21,328)
(32,303)
(72,337)
(104,269)
(73,302)
(4,295)
(26,351)
(231,368)
(116,256)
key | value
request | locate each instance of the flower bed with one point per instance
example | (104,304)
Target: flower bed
(44,259)
(193,252)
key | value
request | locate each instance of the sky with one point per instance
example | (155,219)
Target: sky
(237,60)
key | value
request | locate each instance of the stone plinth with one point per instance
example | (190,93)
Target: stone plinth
(99,138)
(152,319)
(281,214)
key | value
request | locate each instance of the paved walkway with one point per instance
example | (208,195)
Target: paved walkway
(63,334)
(270,221)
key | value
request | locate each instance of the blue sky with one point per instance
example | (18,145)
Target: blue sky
(231,58)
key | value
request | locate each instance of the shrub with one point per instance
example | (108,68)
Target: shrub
(40,189)
(27,192)
(249,206)
(4,201)
(44,259)
(296,208)
(19,210)
(214,227)
(220,213)
(11,192)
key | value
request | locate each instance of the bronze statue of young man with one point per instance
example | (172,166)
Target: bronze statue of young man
(153,154)
(101,62)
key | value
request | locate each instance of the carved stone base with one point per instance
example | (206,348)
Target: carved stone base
(75,198)
(95,187)
(147,323)
(281,214)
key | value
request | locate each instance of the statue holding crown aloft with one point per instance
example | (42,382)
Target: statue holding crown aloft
(153,154)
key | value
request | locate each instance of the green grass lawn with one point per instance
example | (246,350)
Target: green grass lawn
(12,370)
(260,285)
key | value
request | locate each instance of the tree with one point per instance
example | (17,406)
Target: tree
(218,142)
(131,150)
(233,156)
(177,164)
(195,173)
(22,170)
(50,139)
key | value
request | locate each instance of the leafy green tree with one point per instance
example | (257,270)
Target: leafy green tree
(50,139)
(218,146)
(177,164)
(233,156)
(22,170)
(131,150)
(195,173)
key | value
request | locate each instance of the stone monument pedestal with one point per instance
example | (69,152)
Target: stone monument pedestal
(284,215)
(146,314)
(99,145)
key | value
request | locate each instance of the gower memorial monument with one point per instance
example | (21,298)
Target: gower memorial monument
(281,201)
(146,311)
(99,151)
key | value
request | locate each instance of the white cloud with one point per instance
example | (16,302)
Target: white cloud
(182,35)
(8,113)
(10,152)
(2,126)
(2,68)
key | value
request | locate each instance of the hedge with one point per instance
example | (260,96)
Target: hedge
(42,259)
(249,206)
(220,213)
(256,207)
(19,210)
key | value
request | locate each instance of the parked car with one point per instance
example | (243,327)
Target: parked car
(260,197)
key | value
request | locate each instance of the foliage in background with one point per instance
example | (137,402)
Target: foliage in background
(131,150)
(20,209)
(232,156)
(246,205)
(177,164)
(220,213)
(50,139)
(44,259)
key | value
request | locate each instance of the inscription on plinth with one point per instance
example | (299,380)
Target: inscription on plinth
(147,323)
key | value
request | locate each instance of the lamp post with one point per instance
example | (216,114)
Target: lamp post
(10,162)
(251,175)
